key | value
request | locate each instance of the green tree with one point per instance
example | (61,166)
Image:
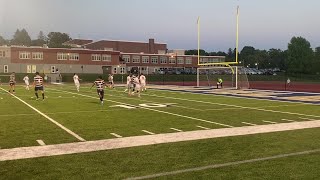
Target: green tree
(195,52)
(2,41)
(247,56)
(21,38)
(277,58)
(40,41)
(56,39)
(300,56)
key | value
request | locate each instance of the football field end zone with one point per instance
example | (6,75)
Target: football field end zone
(47,117)
(134,141)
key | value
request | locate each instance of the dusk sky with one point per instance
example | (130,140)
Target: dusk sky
(263,24)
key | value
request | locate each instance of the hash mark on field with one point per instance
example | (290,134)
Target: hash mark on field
(176,129)
(308,119)
(203,127)
(116,135)
(148,132)
(41,142)
(249,123)
(270,122)
(289,120)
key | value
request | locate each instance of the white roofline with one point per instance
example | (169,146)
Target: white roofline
(121,41)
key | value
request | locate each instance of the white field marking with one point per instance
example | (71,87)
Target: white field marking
(176,129)
(214,166)
(308,119)
(289,120)
(248,123)
(269,122)
(148,132)
(41,142)
(203,127)
(135,141)
(50,119)
(242,107)
(174,114)
(116,135)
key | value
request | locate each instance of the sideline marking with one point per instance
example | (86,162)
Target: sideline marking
(148,132)
(41,142)
(214,166)
(176,129)
(203,127)
(116,135)
(188,117)
(249,123)
(49,118)
(270,122)
(135,141)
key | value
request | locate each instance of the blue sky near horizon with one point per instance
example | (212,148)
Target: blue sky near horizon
(263,24)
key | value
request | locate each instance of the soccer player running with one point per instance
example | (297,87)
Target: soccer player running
(128,83)
(12,82)
(76,81)
(143,82)
(110,79)
(137,86)
(26,81)
(38,85)
(100,84)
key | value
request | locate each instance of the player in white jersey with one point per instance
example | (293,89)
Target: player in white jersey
(110,79)
(137,86)
(143,82)
(26,81)
(128,83)
(76,81)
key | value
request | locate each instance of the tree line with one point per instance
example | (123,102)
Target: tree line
(298,58)
(22,38)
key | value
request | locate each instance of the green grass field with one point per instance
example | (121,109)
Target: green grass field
(159,112)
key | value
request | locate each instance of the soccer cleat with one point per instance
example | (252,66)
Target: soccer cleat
(101,103)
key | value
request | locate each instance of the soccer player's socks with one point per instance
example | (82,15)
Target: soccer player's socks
(42,95)
(36,95)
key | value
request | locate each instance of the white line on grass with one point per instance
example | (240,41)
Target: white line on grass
(248,123)
(116,135)
(230,105)
(214,166)
(289,120)
(269,122)
(176,129)
(174,114)
(308,119)
(148,132)
(41,142)
(203,127)
(49,118)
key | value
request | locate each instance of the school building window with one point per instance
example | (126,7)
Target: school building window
(154,59)
(74,56)
(24,55)
(189,60)
(106,57)
(136,59)
(163,60)
(145,59)
(62,56)
(180,60)
(37,55)
(126,58)
(172,60)
(96,57)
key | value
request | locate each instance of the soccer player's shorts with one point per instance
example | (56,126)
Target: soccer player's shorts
(143,84)
(100,92)
(40,88)
(12,83)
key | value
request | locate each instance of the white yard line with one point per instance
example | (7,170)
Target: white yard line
(308,119)
(174,114)
(41,142)
(214,166)
(148,132)
(116,135)
(117,143)
(176,129)
(251,124)
(203,127)
(237,106)
(288,120)
(50,119)
(270,122)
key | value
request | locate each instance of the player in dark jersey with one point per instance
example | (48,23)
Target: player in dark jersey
(12,82)
(100,85)
(38,85)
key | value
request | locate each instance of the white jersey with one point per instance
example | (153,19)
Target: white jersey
(26,80)
(128,80)
(142,79)
(136,82)
(76,79)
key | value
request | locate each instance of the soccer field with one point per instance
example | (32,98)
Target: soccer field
(164,134)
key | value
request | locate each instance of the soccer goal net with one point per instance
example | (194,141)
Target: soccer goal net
(233,77)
